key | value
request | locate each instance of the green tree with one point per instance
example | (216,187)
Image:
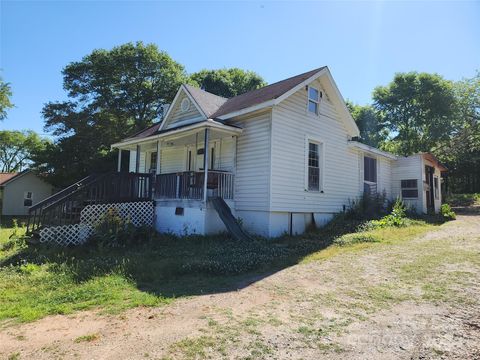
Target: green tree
(419,110)
(5,94)
(18,148)
(113,93)
(227,82)
(461,153)
(370,124)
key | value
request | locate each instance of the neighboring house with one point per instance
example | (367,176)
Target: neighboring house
(282,157)
(19,191)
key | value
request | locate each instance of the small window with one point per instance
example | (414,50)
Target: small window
(370,169)
(409,189)
(313,166)
(313,100)
(435,186)
(27,198)
(185,105)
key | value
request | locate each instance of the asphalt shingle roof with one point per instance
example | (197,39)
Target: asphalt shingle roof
(215,106)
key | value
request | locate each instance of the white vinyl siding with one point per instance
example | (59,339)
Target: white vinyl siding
(291,124)
(408,168)
(177,115)
(14,194)
(253,163)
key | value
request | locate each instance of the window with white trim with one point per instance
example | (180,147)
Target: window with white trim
(313,100)
(435,187)
(27,198)
(409,189)
(314,173)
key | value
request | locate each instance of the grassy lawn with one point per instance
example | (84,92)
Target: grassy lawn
(39,280)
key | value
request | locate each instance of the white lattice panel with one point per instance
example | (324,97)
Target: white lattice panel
(65,235)
(139,213)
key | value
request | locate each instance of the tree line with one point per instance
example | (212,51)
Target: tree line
(117,92)
(421,112)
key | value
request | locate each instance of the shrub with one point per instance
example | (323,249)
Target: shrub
(397,218)
(447,212)
(367,207)
(350,239)
(112,230)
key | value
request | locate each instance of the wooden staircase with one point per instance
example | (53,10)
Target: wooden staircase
(64,207)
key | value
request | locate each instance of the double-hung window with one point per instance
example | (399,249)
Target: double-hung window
(409,189)
(435,186)
(313,100)
(27,198)
(314,162)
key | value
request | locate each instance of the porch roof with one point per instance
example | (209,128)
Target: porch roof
(181,130)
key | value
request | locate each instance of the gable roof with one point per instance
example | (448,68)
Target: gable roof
(208,102)
(264,94)
(4,177)
(217,107)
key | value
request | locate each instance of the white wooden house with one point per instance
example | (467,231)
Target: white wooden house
(282,157)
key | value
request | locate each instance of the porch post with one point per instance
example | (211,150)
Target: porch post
(158,158)
(205,163)
(137,160)
(119,164)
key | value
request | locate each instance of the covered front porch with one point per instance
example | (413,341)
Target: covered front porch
(192,163)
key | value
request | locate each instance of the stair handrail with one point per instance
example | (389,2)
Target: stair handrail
(70,189)
(79,188)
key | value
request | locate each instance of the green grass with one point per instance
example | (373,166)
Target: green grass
(40,280)
(87,338)
(463,199)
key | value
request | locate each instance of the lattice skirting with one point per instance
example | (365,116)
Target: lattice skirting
(66,235)
(138,213)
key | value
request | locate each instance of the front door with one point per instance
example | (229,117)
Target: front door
(430,190)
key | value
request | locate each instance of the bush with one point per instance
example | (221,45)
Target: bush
(112,230)
(397,218)
(463,199)
(368,207)
(447,212)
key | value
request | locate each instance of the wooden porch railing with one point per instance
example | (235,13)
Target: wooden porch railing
(64,207)
(189,185)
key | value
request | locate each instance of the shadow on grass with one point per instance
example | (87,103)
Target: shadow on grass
(169,266)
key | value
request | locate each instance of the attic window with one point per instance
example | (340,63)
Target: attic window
(185,105)
(313,100)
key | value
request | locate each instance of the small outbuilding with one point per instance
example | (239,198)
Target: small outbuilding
(19,191)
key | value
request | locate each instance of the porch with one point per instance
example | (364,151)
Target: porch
(196,162)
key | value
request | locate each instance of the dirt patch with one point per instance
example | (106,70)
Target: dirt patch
(417,299)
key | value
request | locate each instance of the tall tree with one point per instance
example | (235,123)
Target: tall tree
(113,93)
(419,110)
(18,148)
(5,94)
(462,153)
(227,82)
(369,122)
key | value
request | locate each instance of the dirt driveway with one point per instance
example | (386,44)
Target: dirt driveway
(416,299)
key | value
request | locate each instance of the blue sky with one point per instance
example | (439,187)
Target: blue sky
(363,43)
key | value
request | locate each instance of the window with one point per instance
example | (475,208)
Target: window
(313,100)
(313,166)
(409,189)
(370,169)
(27,198)
(435,186)
(153,161)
